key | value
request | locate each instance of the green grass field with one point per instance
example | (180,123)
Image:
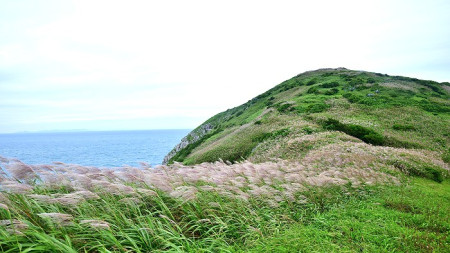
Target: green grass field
(412,217)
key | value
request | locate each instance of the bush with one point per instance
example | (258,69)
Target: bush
(356,81)
(308,130)
(299,83)
(396,143)
(264,136)
(311,82)
(446,156)
(316,108)
(239,113)
(331,92)
(434,86)
(329,85)
(362,87)
(401,127)
(312,90)
(352,98)
(363,133)
(434,107)
(282,132)
(421,170)
(373,138)
(284,107)
(261,137)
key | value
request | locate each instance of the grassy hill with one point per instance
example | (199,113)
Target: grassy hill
(292,118)
(332,160)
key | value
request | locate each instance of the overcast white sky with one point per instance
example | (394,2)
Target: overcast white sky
(111,65)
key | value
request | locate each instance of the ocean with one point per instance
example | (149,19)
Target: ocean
(100,149)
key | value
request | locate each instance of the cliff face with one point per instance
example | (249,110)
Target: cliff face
(322,107)
(189,139)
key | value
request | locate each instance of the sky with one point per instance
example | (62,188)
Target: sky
(131,65)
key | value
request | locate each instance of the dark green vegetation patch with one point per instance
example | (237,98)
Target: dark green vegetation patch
(363,133)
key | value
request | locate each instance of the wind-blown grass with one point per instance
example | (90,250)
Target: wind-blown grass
(207,207)
(296,182)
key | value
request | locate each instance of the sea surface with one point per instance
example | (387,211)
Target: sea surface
(100,149)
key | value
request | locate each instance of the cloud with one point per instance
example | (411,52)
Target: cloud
(98,61)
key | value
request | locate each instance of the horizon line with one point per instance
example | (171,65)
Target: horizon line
(90,130)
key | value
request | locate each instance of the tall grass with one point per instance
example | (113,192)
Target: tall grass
(207,207)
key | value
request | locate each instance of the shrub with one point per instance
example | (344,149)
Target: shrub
(401,127)
(264,136)
(311,82)
(394,142)
(421,170)
(261,137)
(316,108)
(332,91)
(362,87)
(356,81)
(446,156)
(329,85)
(282,132)
(434,107)
(299,83)
(363,133)
(434,86)
(239,113)
(352,98)
(368,101)
(312,90)
(373,138)
(308,130)
(284,107)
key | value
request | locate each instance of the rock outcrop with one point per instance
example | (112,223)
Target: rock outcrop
(192,137)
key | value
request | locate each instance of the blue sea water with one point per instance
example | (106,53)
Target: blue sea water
(100,149)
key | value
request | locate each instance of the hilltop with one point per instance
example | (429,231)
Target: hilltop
(316,108)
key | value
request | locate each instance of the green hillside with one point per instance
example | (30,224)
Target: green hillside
(325,106)
(332,160)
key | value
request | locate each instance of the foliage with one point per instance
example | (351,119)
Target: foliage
(401,127)
(226,207)
(285,107)
(332,91)
(313,90)
(392,219)
(327,219)
(422,170)
(446,156)
(329,85)
(317,107)
(322,93)
(311,82)
(365,134)
(394,142)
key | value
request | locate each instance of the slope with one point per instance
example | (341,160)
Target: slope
(321,107)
